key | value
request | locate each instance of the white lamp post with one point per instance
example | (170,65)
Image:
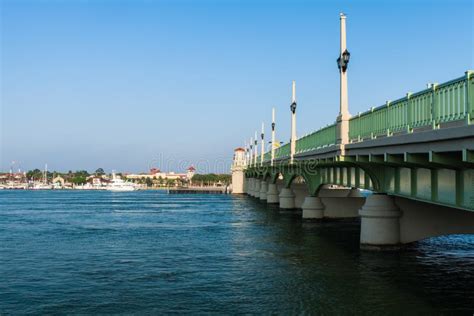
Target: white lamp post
(273,137)
(255,149)
(293,123)
(246,154)
(342,62)
(251,151)
(262,144)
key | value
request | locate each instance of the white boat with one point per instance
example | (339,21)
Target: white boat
(44,185)
(118,185)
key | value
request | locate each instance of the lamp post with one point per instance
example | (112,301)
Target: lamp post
(255,149)
(246,154)
(251,151)
(293,122)
(273,137)
(342,62)
(262,149)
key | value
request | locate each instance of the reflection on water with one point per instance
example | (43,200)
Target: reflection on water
(148,252)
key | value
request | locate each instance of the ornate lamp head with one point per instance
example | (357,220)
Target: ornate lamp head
(343,60)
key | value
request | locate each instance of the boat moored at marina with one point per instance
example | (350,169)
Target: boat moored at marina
(119,185)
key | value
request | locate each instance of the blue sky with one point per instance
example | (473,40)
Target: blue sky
(130,84)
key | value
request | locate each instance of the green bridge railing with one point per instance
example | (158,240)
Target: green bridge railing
(447,102)
(452,101)
(322,138)
(283,151)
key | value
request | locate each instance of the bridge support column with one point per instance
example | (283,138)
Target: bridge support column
(380,223)
(256,192)
(287,198)
(272,194)
(263,190)
(313,208)
(252,192)
(249,186)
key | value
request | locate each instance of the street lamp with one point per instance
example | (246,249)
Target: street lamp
(293,123)
(342,62)
(272,153)
(293,107)
(342,129)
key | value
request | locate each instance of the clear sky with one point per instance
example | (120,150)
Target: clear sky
(130,84)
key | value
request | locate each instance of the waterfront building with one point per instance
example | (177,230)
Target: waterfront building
(60,183)
(13,180)
(98,181)
(157,174)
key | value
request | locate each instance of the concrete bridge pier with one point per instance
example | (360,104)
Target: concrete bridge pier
(257,188)
(330,203)
(252,192)
(287,198)
(272,194)
(380,223)
(263,190)
(313,208)
(249,186)
(341,203)
(354,193)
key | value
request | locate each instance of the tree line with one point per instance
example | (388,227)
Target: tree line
(212,178)
(76,177)
(80,177)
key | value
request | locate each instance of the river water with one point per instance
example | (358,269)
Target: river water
(148,252)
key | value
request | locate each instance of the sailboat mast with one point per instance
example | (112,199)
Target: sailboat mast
(45,179)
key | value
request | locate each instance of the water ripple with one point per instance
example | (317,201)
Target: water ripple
(73,252)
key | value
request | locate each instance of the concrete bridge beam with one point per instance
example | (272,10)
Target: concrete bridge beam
(422,220)
(272,194)
(263,190)
(287,199)
(342,207)
(389,222)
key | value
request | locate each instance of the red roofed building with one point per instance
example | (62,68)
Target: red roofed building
(154,171)
(156,174)
(190,172)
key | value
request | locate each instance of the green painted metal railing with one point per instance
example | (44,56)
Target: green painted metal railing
(322,138)
(282,151)
(447,102)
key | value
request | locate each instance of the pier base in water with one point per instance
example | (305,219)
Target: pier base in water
(256,192)
(380,223)
(272,194)
(287,199)
(313,208)
(263,190)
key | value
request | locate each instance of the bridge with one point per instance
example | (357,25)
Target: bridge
(415,155)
